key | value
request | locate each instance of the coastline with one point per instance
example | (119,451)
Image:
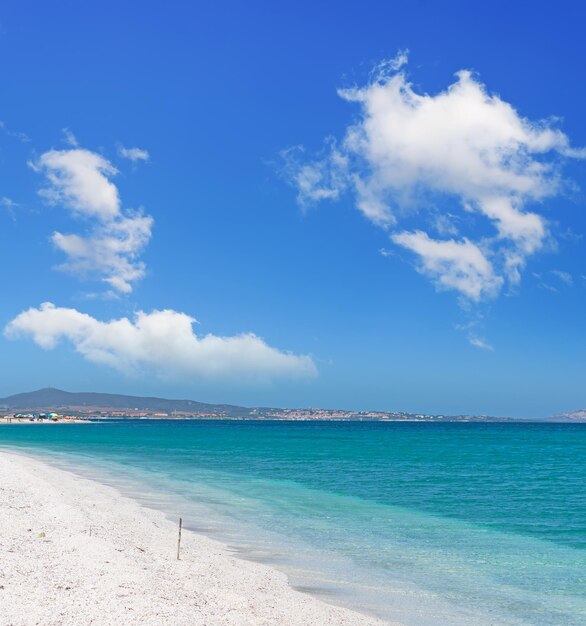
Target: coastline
(75,551)
(24,422)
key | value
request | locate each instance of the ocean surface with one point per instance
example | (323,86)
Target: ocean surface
(419,522)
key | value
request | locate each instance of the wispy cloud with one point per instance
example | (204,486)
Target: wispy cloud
(133,154)
(9,206)
(414,154)
(69,138)
(472,328)
(161,342)
(22,137)
(324,179)
(564,277)
(478,342)
(553,280)
(80,180)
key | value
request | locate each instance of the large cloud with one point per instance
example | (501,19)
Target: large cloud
(80,180)
(161,341)
(412,154)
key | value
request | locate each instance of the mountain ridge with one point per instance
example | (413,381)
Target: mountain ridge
(51,397)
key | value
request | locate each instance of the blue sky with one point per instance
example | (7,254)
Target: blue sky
(346,232)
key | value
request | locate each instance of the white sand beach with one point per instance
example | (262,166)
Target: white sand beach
(76,552)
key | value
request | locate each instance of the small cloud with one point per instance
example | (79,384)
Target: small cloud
(473,329)
(69,138)
(133,154)
(9,205)
(445,226)
(559,277)
(22,137)
(570,235)
(108,295)
(323,179)
(478,342)
(564,277)
(381,70)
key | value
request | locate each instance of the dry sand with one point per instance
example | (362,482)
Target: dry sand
(52,571)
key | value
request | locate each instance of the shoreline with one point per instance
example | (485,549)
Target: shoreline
(76,551)
(22,422)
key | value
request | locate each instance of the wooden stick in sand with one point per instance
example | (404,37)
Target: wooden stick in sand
(179,538)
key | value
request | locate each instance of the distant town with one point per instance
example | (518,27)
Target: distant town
(55,405)
(86,414)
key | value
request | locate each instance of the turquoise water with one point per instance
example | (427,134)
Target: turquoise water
(423,523)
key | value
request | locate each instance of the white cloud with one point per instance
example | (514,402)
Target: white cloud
(69,138)
(111,251)
(451,264)
(478,342)
(410,153)
(22,137)
(162,342)
(7,202)
(80,180)
(324,179)
(387,66)
(133,154)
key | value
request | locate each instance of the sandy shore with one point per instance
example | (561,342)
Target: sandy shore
(74,551)
(23,421)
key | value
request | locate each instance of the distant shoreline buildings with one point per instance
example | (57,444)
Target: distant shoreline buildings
(76,414)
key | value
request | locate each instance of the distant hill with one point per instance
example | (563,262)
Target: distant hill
(51,398)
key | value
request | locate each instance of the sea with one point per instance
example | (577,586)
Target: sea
(422,523)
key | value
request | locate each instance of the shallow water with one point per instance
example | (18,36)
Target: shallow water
(424,523)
